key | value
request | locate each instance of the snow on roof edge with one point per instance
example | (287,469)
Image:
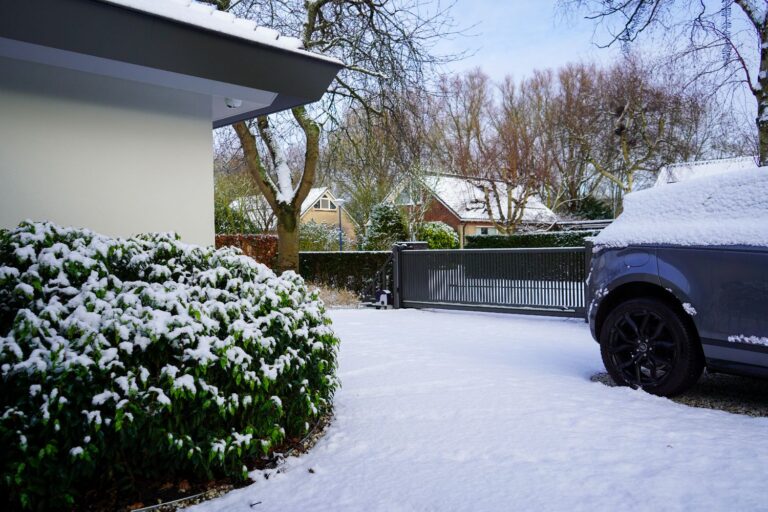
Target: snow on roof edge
(314,194)
(206,16)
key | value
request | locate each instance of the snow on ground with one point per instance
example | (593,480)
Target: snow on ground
(443,411)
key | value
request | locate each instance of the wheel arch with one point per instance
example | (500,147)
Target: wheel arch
(642,289)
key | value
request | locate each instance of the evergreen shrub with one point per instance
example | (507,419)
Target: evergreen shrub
(386,226)
(438,235)
(147,357)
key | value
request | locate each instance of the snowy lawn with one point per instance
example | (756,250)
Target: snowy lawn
(478,412)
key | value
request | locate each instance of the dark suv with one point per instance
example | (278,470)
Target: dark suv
(663,313)
(679,281)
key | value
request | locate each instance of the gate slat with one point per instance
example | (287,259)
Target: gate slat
(536,281)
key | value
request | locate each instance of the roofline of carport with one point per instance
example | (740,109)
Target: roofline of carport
(117,33)
(282,102)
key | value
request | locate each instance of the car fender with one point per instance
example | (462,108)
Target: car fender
(611,269)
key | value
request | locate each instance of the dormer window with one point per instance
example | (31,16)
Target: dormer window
(325,204)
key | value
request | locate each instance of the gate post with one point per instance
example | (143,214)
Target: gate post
(588,249)
(396,272)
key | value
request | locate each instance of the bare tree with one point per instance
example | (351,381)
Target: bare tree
(570,119)
(644,121)
(578,132)
(732,48)
(370,156)
(464,120)
(357,159)
(386,45)
(496,142)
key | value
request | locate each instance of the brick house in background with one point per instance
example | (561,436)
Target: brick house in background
(460,203)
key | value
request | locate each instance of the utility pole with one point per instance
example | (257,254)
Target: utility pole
(339,204)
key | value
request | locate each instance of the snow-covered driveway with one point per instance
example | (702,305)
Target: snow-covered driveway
(467,411)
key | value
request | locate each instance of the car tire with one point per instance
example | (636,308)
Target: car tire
(645,343)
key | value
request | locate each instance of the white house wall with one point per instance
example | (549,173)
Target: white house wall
(115,156)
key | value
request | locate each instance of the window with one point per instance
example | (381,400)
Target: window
(408,196)
(488,231)
(325,204)
(404,198)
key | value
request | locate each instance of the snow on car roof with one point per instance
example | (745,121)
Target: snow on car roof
(718,210)
(675,173)
(208,17)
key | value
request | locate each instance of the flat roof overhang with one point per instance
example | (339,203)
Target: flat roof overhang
(113,40)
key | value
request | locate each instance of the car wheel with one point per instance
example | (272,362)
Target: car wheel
(645,344)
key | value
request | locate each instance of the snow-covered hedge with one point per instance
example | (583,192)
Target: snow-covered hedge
(148,357)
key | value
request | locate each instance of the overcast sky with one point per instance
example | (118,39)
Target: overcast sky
(517,36)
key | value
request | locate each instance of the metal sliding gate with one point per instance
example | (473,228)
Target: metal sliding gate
(532,281)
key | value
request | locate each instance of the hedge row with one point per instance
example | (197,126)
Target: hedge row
(530,240)
(350,270)
(262,248)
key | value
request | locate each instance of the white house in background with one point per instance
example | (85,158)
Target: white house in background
(107,108)
(320,206)
(691,170)
(460,203)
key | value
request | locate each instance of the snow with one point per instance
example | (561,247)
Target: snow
(752,340)
(185,382)
(469,411)
(689,309)
(676,173)
(467,200)
(717,210)
(285,190)
(206,16)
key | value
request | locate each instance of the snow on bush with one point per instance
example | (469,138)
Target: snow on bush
(438,235)
(315,236)
(386,226)
(150,357)
(724,209)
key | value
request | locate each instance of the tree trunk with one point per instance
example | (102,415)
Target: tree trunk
(761,95)
(288,240)
(762,133)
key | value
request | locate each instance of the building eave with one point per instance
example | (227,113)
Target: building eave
(115,40)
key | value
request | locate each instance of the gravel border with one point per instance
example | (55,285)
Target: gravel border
(729,393)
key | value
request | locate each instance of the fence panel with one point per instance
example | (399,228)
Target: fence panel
(534,281)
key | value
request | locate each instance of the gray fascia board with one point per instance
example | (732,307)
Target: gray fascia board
(117,33)
(282,102)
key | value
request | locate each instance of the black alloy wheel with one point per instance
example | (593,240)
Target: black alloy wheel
(645,344)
